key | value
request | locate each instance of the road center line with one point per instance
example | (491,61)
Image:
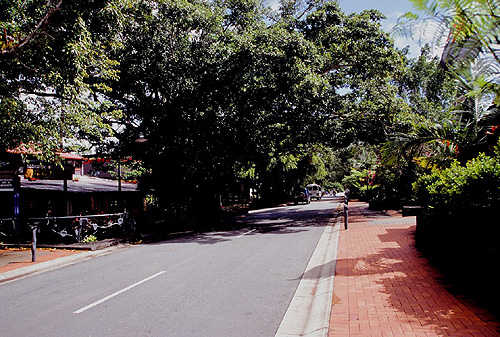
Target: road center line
(250,231)
(79,311)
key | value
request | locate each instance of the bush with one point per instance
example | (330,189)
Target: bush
(458,189)
(368,192)
(461,203)
(361,184)
(89,238)
(459,226)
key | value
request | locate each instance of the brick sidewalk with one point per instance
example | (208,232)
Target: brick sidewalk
(383,287)
(15,258)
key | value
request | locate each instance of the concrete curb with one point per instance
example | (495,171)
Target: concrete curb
(309,311)
(41,267)
(96,245)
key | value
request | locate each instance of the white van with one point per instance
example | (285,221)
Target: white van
(315,191)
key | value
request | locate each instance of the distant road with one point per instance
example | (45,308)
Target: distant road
(224,283)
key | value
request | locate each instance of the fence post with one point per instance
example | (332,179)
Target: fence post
(79,229)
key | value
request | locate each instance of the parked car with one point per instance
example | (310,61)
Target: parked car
(315,191)
(301,195)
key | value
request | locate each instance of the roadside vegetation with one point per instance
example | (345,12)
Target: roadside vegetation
(234,93)
(455,149)
(225,92)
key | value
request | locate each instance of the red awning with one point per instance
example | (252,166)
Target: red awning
(30,149)
(70,156)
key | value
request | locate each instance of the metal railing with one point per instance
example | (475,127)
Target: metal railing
(72,228)
(80,226)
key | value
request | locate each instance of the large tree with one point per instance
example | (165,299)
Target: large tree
(225,87)
(218,88)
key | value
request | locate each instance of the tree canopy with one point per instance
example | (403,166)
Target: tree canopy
(54,61)
(225,91)
(230,84)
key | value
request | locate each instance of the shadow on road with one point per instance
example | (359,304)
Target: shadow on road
(279,220)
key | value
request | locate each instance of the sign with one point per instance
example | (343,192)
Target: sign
(7,181)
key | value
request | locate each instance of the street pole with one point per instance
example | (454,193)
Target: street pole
(65,193)
(120,201)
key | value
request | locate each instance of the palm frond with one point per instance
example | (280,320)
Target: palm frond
(425,140)
(465,29)
(491,117)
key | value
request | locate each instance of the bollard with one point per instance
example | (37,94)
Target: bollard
(346,213)
(33,243)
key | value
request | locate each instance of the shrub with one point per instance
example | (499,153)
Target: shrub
(368,192)
(461,203)
(459,226)
(459,189)
(89,238)
(362,183)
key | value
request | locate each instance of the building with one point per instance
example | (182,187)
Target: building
(30,188)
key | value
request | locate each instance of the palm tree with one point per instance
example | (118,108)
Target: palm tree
(465,29)
(468,129)
(468,31)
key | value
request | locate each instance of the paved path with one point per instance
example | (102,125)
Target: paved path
(383,287)
(16,258)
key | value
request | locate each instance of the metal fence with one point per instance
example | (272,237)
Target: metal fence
(73,228)
(68,228)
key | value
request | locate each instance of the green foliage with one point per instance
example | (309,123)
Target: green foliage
(362,183)
(89,238)
(224,96)
(54,59)
(467,29)
(359,156)
(452,127)
(461,131)
(225,91)
(460,203)
(455,113)
(131,170)
(368,192)
(395,184)
(335,186)
(426,87)
(14,124)
(457,189)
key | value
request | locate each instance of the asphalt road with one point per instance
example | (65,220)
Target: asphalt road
(221,283)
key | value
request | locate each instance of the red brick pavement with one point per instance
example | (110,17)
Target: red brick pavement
(383,287)
(15,258)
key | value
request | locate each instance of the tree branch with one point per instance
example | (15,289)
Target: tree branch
(45,94)
(34,32)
